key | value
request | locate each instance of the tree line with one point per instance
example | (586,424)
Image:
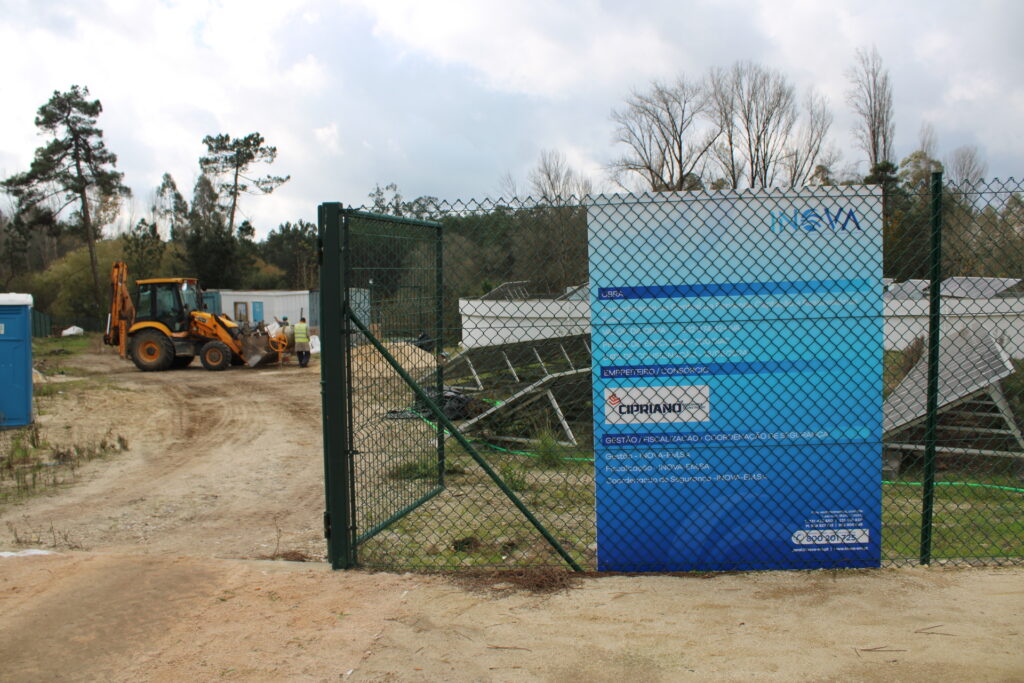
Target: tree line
(736,127)
(748,126)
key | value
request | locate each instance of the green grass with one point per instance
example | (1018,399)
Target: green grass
(424,467)
(469,530)
(57,355)
(63,346)
(514,476)
(972,519)
(73,387)
(549,451)
(51,389)
(29,465)
(472,524)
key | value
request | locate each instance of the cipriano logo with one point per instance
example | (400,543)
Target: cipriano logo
(635,405)
(651,408)
(813,220)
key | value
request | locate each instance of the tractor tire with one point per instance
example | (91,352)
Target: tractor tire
(182,362)
(215,355)
(152,351)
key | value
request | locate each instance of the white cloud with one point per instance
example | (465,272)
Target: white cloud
(533,46)
(167,74)
(444,97)
(328,137)
(308,74)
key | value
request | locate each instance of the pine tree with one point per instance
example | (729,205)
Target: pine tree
(73,169)
(231,157)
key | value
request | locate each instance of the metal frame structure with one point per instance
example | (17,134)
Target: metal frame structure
(548,376)
(969,400)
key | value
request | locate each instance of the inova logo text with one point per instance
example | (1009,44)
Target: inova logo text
(813,220)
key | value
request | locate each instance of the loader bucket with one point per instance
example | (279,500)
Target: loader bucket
(256,349)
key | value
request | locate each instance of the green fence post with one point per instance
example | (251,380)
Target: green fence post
(934,322)
(439,344)
(334,342)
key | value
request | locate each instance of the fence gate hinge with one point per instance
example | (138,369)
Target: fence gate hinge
(327,524)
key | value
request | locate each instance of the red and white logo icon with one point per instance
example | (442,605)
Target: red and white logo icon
(614,400)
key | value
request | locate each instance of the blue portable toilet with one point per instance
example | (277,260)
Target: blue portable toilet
(15,360)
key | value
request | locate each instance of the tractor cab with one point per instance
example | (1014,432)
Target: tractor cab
(169,301)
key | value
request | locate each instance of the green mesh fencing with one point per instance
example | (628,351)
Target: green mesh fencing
(460,377)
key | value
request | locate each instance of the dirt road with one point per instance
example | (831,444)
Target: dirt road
(157,575)
(218,463)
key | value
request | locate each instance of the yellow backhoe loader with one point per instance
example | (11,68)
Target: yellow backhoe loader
(166,327)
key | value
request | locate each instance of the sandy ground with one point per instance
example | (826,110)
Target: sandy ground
(157,575)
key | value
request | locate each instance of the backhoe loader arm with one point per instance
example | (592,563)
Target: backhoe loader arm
(122,310)
(219,327)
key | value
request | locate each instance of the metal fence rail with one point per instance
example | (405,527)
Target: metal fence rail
(460,413)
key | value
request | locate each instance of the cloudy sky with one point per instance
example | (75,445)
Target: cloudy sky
(446,97)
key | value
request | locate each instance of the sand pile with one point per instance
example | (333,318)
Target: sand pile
(368,362)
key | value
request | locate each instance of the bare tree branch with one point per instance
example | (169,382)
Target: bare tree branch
(807,150)
(554,181)
(966,165)
(755,108)
(927,140)
(660,128)
(870,96)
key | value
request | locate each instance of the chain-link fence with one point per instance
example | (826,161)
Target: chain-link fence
(818,377)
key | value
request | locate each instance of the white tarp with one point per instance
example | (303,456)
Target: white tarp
(72,331)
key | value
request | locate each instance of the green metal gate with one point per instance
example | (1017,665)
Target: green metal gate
(385,430)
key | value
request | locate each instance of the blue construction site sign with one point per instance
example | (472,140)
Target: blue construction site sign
(737,345)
